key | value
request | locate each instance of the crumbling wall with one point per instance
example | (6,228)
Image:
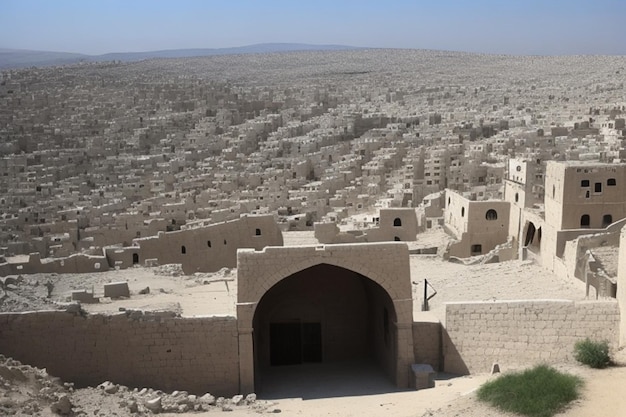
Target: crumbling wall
(73,264)
(198,355)
(516,333)
(210,248)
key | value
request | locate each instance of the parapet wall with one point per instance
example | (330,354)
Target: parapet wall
(198,355)
(73,264)
(515,333)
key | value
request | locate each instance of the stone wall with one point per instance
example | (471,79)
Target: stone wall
(198,355)
(74,264)
(522,332)
(427,343)
(210,248)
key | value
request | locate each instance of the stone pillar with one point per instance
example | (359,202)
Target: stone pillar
(405,354)
(245,314)
(621,287)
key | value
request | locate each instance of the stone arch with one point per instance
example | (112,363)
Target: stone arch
(386,264)
(585,220)
(324,314)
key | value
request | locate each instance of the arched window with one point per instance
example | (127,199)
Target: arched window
(611,182)
(491,215)
(396,239)
(183,249)
(607,219)
(135,258)
(585,220)
(397,222)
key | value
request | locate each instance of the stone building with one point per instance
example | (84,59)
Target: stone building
(478,225)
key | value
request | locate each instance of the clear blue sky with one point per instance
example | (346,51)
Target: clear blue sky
(493,26)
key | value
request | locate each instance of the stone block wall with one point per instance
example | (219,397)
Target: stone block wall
(198,355)
(515,333)
(427,343)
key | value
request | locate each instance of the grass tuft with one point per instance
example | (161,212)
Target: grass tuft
(594,354)
(538,392)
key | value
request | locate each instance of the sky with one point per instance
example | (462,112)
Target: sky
(519,27)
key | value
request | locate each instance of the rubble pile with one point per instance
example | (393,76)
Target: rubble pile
(26,390)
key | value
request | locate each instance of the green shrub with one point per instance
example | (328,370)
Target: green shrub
(538,392)
(594,354)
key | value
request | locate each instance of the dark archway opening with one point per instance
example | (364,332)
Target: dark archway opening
(135,258)
(532,239)
(325,331)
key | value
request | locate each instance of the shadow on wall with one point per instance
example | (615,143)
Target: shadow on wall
(452,361)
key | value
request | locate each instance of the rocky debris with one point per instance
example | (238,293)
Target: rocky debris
(207,399)
(109,387)
(172,270)
(155,405)
(62,406)
(26,390)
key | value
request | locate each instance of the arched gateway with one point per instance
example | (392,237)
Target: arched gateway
(325,303)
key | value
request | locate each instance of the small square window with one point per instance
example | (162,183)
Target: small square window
(584,183)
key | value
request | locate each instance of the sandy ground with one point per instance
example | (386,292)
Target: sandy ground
(215,293)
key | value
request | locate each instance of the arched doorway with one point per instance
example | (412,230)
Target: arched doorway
(321,319)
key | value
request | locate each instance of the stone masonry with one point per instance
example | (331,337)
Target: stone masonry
(198,355)
(516,333)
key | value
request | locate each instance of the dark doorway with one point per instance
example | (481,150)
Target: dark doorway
(530,234)
(319,320)
(285,344)
(295,343)
(135,258)
(607,219)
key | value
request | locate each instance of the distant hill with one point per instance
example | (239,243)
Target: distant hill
(18,58)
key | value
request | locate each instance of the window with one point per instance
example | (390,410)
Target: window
(491,215)
(477,249)
(225,242)
(611,182)
(397,222)
(183,249)
(462,211)
(607,219)
(584,183)
(396,239)
(135,258)
(257,232)
(597,187)
(208,243)
(516,197)
(585,220)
